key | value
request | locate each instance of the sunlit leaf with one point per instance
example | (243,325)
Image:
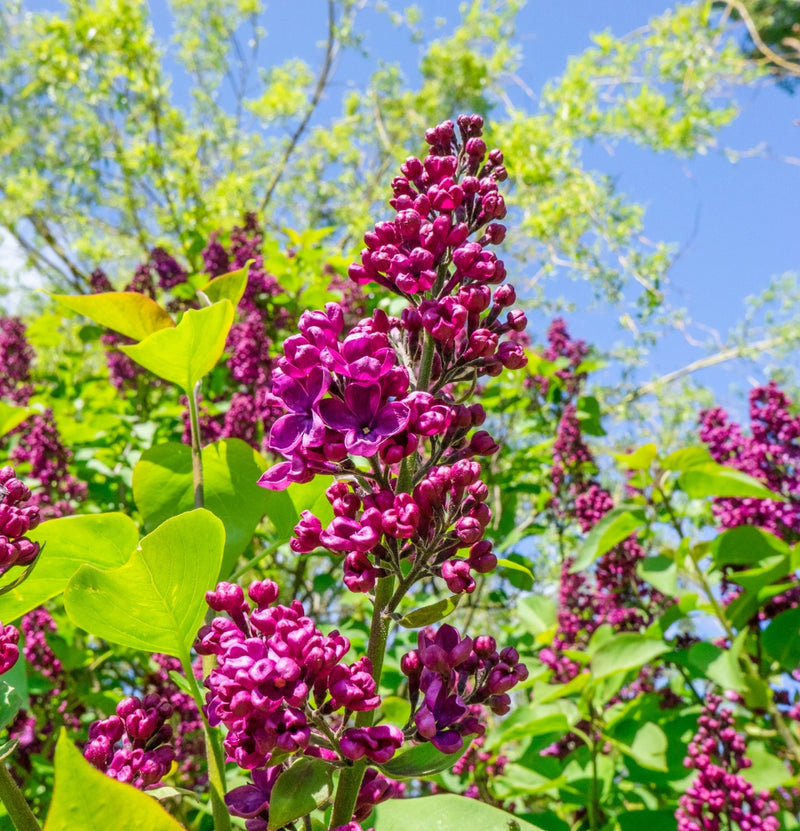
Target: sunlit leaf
(127,312)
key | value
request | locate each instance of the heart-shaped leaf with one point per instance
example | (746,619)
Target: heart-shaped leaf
(307,784)
(112,804)
(228,286)
(184,354)
(102,540)
(127,312)
(162,487)
(156,601)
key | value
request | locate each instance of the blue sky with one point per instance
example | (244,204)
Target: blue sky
(736,224)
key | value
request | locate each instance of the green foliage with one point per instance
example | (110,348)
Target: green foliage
(156,600)
(445,813)
(114,804)
(306,785)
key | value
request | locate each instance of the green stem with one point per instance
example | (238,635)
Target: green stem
(214,755)
(426,362)
(350,778)
(594,798)
(16,804)
(197,458)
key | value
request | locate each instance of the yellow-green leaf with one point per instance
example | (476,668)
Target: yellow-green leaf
(127,312)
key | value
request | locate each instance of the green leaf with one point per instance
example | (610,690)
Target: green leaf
(537,613)
(745,545)
(162,488)
(11,417)
(649,747)
(310,496)
(589,415)
(228,286)
(185,354)
(687,458)
(395,710)
(113,804)
(661,573)
(306,785)
(781,639)
(445,812)
(430,614)
(767,771)
(422,760)
(639,459)
(510,564)
(618,524)
(652,820)
(103,540)
(529,721)
(127,312)
(156,601)
(10,703)
(625,651)
(712,479)
(719,665)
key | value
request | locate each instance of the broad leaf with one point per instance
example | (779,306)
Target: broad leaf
(652,820)
(719,665)
(310,496)
(618,524)
(185,354)
(430,614)
(712,479)
(767,771)
(85,799)
(127,312)
(661,573)
(745,545)
(687,458)
(422,760)
(781,639)
(625,651)
(156,601)
(228,286)
(162,488)
(11,417)
(649,747)
(445,812)
(307,784)
(537,613)
(10,703)
(102,540)
(639,459)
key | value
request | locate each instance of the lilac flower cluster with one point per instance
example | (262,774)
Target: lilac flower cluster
(719,796)
(39,447)
(134,746)
(9,649)
(16,357)
(278,677)
(771,453)
(560,346)
(15,521)
(613,594)
(280,687)
(452,673)
(386,390)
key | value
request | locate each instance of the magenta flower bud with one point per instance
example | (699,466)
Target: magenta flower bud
(263,593)
(485,646)
(482,444)
(129,705)
(477,415)
(9,651)
(378,743)
(142,724)
(456,574)
(228,597)
(481,558)
(465,473)
(306,534)
(476,147)
(468,530)
(516,320)
(408,223)
(475,298)
(512,355)
(504,296)
(359,573)
(495,233)
(354,687)
(411,168)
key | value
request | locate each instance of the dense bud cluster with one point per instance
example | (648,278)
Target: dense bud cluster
(719,796)
(16,520)
(771,453)
(134,746)
(16,357)
(9,649)
(614,594)
(448,673)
